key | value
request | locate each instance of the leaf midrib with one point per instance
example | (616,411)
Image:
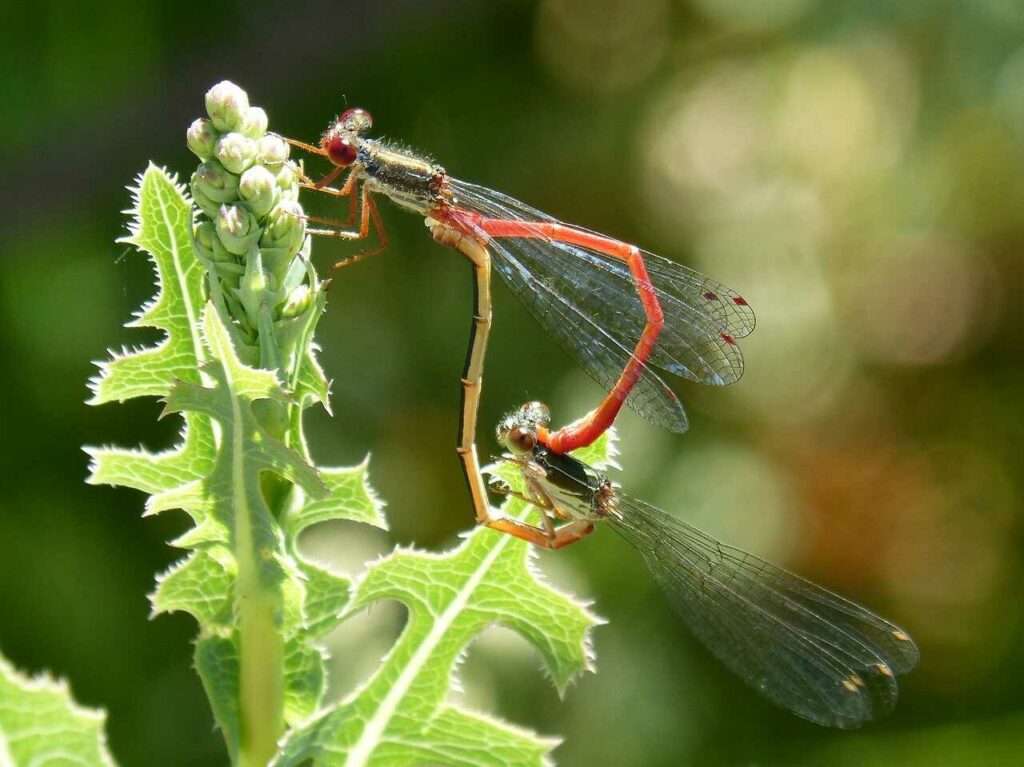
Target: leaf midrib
(378,722)
(179,273)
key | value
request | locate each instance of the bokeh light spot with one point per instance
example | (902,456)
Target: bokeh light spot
(601,46)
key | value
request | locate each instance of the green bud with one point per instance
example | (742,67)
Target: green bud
(286,228)
(227,105)
(205,204)
(203,238)
(254,123)
(290,195)
(229,271)
(237,229)
(201,138)
(258,188)
(236,152)
(213,180)
(208,244)
(287,178)
(238,312)
(297,302)
(253,287)
(271,150)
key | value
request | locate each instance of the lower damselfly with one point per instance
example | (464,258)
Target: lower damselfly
(806,649)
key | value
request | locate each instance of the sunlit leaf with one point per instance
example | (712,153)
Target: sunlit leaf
(41,725)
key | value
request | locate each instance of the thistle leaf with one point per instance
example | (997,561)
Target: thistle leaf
(40,724)
(401,715)
(160,227)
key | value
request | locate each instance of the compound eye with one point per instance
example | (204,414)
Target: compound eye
(358,120)
(521,440)
(341,151)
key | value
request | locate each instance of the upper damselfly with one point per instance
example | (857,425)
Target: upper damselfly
(620,311)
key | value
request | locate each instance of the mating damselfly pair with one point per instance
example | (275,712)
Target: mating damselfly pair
(621,313)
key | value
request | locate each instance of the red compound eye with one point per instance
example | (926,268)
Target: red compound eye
(341,151)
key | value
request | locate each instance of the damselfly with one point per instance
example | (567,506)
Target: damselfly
(801,646)
(618,310)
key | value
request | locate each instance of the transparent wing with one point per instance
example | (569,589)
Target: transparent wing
(822,657)
(596,348)
(589,302)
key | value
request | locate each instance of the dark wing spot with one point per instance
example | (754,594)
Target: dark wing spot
(728,338)
(711,296)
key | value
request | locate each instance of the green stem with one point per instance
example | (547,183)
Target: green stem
(261,663)
(258,605)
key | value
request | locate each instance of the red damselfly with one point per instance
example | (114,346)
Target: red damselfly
(618,310)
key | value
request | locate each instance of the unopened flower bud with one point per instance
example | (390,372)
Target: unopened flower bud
(227,105)
(203,238)
(201,138)
(254,123)
(297,302)
(208,244)
(204,203)
(253,287)
(290,195)
(271,150)
(237,229)
(258,188)
(288,182)
(286,228)
(236,152)
(286,176)
(215,183)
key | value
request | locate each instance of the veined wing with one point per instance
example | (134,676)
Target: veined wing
(703,318)
(823,657)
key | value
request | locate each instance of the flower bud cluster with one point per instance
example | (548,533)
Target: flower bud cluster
(251,231)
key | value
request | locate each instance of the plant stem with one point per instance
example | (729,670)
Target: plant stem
(261,675)
(261,647)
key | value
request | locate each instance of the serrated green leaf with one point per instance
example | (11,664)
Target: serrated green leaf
(305,680)
(161,226)
(200,585)
(232,492)
(349,497)
(401,716)
(216,661)
(457,737)
(232,497)
(40,724)
(156,472)
(326,597)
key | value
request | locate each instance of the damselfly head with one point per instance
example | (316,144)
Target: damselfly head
(341,141)
(517,431)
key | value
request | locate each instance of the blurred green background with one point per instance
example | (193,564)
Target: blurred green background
(853,169)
